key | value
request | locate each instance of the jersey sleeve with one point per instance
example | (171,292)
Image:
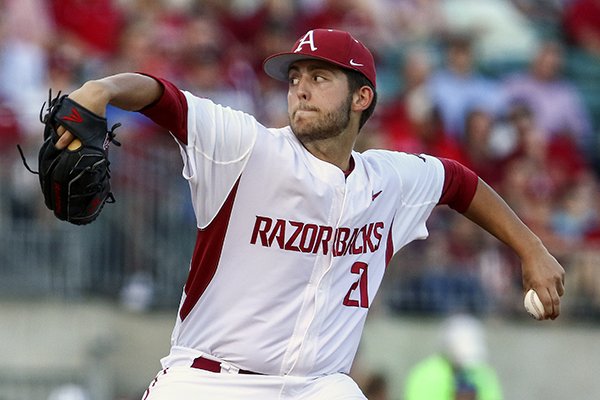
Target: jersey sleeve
(218,145)
(421,187)
(417,182)
(460,184)
(170,110)
(424,182)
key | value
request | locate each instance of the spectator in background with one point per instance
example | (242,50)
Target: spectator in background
(148,44)
(581,22)
(544,14)
(211,72)
(504,35)
(10,130)
(25,34)
(408,21)
(476,145)
(575,217)
(11,134)
(272,107)
(246,20)
(459,370)
(355,15)
(525,168)
(411,122)
(559,157)
(557,107)
(64,68)
(457,87)
(426,136)
(402,117)
(527,141)
(93,25)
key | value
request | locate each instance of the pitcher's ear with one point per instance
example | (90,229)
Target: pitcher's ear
(362,98)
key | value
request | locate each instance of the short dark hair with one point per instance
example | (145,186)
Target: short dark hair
(356,80)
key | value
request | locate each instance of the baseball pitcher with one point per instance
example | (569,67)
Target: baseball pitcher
(295,228)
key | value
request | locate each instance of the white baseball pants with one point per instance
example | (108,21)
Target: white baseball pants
(185,383)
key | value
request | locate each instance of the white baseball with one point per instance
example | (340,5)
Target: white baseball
(534,305)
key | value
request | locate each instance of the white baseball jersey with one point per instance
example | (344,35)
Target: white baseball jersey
(290,249)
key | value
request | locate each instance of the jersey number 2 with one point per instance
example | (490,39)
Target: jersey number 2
(361,284)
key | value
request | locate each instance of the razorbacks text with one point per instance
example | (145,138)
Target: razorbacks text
(311,238)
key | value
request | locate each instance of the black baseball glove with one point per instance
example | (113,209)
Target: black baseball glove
(75,181)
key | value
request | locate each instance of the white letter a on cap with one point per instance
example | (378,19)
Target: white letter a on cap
(307,39)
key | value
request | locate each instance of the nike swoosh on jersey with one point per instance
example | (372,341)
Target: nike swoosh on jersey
(375,195)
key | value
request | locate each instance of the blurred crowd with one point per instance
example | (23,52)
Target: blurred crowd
(502,86)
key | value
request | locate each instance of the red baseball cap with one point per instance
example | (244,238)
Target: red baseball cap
(334,46)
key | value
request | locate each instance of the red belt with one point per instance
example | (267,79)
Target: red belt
(215,366)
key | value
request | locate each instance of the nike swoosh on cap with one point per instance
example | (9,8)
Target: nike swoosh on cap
(355,64)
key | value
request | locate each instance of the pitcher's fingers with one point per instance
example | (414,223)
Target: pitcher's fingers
(560,286)
(63,141)
(545,296)
(555,310)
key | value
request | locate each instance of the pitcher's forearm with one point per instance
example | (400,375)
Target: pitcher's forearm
(128,91)
(491,212)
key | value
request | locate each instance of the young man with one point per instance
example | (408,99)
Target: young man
(295,229)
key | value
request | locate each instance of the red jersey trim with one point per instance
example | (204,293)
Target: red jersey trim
(207,254)
(389,249)
(460,184)
(351,166)
(170,111)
